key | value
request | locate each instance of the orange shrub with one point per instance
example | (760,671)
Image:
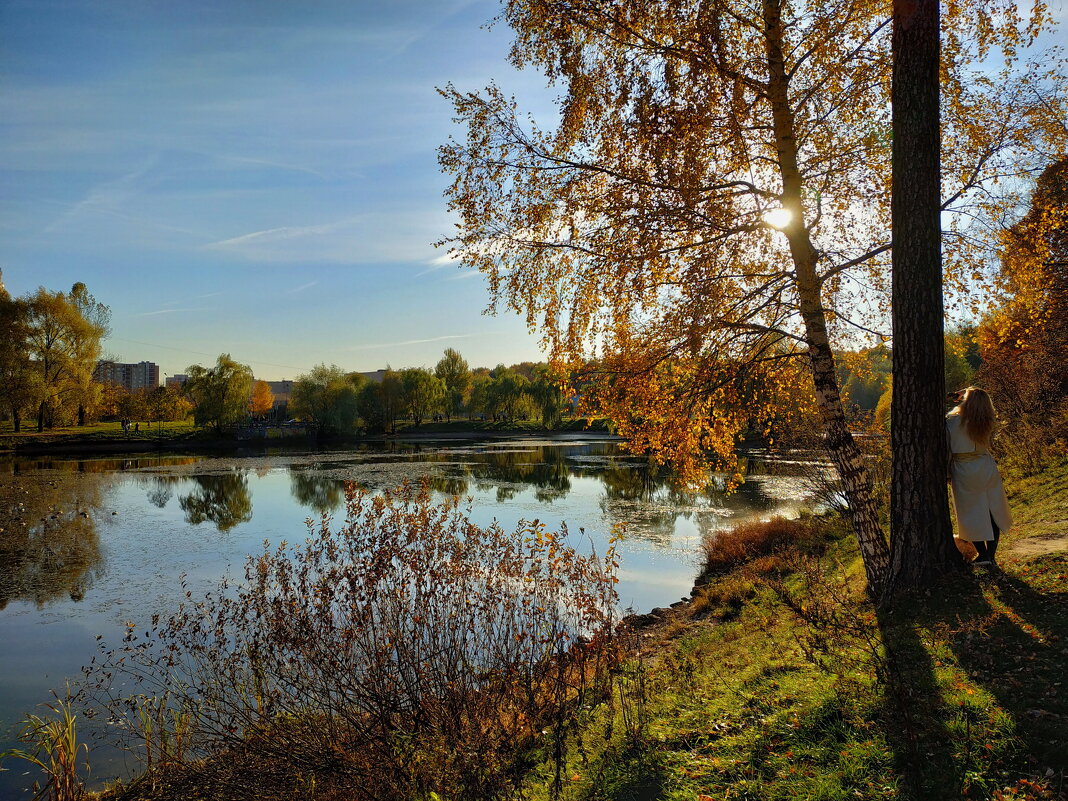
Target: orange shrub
(729,548)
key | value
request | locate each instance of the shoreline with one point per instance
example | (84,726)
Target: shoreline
(77,445)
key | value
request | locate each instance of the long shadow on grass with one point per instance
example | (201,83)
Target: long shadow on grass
(1020,656)
(1010,639)
(634,776)
(915,711)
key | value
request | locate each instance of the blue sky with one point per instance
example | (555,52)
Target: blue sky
(251,176)
(254,177)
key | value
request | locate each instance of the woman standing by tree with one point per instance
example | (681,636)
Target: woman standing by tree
(978,495)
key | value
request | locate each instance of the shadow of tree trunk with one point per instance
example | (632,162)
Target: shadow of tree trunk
(1020,656)
(918,717)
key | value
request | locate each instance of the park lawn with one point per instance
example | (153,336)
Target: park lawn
(957,693)
(96,433)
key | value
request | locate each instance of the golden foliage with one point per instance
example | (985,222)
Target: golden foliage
(262,399)
(1024,341)
(633,235)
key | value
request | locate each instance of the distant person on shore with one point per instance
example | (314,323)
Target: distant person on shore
(978,495)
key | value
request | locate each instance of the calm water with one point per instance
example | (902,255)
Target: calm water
(88,544)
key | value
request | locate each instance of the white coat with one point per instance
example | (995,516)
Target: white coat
(978,493)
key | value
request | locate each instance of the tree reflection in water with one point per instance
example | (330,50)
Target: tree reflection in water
(635,491)
(224,500)
(646,497)
(50,549)
(320,493)
(545,469)
(450,484)
(161,488)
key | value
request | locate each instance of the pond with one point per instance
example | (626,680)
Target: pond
(88,544)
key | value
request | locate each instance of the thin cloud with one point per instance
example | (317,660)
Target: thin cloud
(450,259)
(272,235)
(384,235)
(163,311)
(445,259)
(97,204)
(302,287)
(412,342)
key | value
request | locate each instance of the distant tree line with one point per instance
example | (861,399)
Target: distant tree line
(341,402)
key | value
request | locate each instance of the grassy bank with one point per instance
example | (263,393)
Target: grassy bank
(100,434)
(110,436)
(779,681)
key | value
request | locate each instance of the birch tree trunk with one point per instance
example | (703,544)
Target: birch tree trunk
(921,535)
(849,461)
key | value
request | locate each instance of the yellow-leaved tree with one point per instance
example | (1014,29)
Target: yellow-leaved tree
(1024,341)
(711,210)
(262,400)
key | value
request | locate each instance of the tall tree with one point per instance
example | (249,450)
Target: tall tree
(481,390)
(19,380)
(330,397)
(262,400)
(99,318)
(1024,339)
(219,394)
(454,371)
(64,345)
(422,393)
(372,408)
(391,390)
(921,535)
(507,392)
(714,202)
(547,393)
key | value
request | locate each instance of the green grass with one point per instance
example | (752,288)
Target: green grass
(959,693)
(96,433)
(1040,502)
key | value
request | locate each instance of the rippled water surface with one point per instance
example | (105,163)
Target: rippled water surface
(90,543)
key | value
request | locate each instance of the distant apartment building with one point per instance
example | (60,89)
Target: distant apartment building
(176,381)
(131,376)
(281,390)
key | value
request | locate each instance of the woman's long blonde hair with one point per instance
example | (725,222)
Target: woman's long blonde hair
(977,415)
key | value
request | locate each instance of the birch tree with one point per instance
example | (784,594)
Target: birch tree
(710,212)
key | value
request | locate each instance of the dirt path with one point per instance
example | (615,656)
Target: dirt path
(1030,547)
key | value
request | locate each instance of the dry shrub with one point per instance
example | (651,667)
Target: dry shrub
(1028,446)
(410,652)
(726,549)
